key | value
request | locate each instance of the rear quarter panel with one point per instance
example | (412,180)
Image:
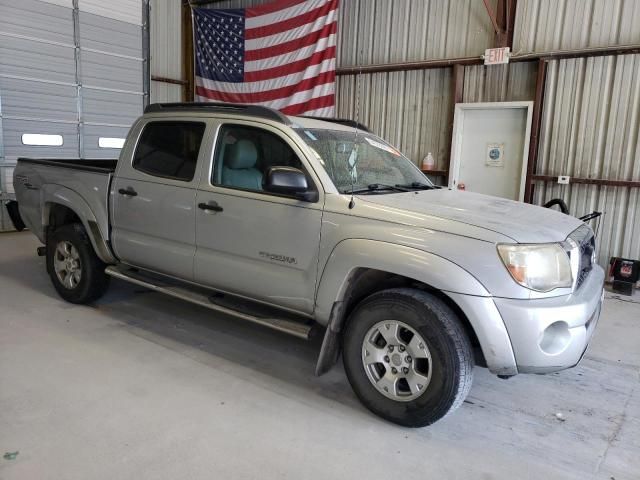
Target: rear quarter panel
(39,187)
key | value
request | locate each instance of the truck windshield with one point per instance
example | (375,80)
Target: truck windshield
(363,162)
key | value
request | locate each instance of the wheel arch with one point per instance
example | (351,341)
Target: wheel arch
(61,206)
(353,273)
(350,258)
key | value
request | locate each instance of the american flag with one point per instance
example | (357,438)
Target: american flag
(280,54)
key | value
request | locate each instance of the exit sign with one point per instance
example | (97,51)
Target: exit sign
(496,56)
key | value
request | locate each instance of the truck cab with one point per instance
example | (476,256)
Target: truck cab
(221,222)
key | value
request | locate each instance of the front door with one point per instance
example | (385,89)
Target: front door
(490,148)
(250,242)
(153,224)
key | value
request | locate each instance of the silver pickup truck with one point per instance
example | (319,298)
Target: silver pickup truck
(311,225)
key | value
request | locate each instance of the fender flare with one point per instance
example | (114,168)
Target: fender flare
(428,268)
(55,194)
(350,255)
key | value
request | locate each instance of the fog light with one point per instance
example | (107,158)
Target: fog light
(555,338)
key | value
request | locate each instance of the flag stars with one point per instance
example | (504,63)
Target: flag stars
(220,45)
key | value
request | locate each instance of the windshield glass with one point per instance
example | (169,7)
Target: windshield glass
(364,162)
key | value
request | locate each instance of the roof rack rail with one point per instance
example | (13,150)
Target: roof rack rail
(252,110)
(342,121)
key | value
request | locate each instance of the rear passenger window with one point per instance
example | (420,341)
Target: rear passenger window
(169,149)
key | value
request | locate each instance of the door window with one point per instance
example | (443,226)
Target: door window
(244,154)
(169,149)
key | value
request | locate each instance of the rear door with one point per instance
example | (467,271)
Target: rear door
(153,195)
(255,243)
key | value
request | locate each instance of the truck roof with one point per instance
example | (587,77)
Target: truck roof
(326,123)
(257,111)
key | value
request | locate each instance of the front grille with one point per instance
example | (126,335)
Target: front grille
(586,263)
(585,245)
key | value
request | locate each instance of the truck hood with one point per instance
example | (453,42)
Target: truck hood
(522,222)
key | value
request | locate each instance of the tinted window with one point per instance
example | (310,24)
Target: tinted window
(169,149)
(244,154)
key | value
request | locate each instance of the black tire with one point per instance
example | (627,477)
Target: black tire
(451,362)
(93,281)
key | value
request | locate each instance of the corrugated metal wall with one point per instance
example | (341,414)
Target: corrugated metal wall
(383,31)
(591,128)
(409,109)
(500,83)
(166,51)
(544,25)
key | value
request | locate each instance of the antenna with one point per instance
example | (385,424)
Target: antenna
(352,202)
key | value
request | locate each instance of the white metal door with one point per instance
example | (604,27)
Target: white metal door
(490,148)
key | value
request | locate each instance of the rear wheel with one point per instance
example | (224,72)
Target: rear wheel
(75,270)
(407,356)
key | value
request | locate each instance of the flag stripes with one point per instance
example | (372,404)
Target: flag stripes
(280,54)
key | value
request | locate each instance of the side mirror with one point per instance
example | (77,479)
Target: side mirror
(289,181)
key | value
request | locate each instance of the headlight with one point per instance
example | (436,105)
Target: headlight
(537,267)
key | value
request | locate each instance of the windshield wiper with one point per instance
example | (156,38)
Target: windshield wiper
(417,186)
(376,187)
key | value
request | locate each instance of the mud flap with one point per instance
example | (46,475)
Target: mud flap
(14,215)
(330,349)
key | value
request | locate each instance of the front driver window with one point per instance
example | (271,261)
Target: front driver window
(244,154)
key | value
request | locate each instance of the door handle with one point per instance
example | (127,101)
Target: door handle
(210,207)
(129,192)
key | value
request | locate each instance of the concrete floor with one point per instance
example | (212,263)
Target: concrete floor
(142,386)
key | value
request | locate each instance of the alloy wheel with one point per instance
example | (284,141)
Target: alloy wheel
(397,360)
(67,265)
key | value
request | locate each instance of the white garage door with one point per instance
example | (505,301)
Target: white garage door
(71,78)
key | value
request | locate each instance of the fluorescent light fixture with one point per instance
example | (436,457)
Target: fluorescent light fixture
(110,142)
(42,140)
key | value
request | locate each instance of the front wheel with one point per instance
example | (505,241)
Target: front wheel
(75,270)
(407,356)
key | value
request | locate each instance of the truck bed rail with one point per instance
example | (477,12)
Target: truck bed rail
(89,165)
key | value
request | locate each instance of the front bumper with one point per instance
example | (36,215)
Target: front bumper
(552,334)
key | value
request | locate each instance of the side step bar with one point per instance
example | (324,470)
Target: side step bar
(292,327)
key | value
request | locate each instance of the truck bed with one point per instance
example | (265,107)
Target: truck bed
(79,184)
(89,165)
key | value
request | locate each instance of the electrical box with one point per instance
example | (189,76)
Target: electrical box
(625,273)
